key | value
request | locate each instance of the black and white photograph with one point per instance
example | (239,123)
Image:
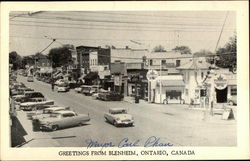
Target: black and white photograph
(100,79)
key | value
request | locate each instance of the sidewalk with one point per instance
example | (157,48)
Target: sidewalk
(34,139)
(184,111)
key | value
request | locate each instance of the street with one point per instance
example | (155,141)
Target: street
(174,124)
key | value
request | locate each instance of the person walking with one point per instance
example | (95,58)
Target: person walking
(52,84)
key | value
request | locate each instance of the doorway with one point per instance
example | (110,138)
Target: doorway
(221,95)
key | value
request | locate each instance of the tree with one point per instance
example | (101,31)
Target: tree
(60,56)
(228,54)
(28,60)
(182,49)
(206,54)
(15,59)
(159,48)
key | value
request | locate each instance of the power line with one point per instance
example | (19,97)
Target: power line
(221,31)
(146,15)
(48,46)
(58,38)
(113,28)
(115,21)
(47,22)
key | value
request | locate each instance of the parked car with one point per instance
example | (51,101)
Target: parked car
(110,96)
(38,110)
(97,94)
(20,91)
(62,88)
(30,79)
(61,82)
(46,112)
(29,106)
(232,100)
(119,116)
(79,89)
(63,119)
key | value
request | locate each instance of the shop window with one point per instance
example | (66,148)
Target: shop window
(234,91)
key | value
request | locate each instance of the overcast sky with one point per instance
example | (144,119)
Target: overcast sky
(31,33)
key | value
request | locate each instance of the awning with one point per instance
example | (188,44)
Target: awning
(171,83)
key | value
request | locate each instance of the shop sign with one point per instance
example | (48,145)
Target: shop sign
(220,82)
(117,80)
(152,74)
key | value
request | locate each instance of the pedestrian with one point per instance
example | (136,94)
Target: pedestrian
(52,85)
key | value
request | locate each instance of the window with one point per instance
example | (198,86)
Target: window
(163,61)
(202,75)
(233,91)
(178,63)
(68,115)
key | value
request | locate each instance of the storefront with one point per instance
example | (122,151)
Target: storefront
(169,89)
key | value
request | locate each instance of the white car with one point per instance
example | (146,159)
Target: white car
(63,119)
(119,116)
(29,106)
(62,88)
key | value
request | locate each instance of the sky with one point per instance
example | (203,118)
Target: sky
(32,32)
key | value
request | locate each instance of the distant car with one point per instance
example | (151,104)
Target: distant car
(110,96)
(79,89)
(119,116)
(63,119)
(30,79)
(29,106)
(62,88)
(232,100)
(61,82)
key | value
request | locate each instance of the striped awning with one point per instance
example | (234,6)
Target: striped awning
(171,83)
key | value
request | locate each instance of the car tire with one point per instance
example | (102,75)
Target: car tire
(115,123)
(54,127)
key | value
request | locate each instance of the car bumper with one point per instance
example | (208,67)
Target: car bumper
(45,127)
(127,122)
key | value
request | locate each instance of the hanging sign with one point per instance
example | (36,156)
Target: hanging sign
(220,82)
(152,74)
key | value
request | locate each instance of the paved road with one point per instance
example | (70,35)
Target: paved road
(173,124)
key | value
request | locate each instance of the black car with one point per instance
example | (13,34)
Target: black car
(110,96)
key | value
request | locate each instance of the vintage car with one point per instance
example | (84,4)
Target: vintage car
(97,94)
(20,91)
(39,109)
(63,119)
(46,112)
(110,96)
(62,88)
(29,106)
(79,89)
(30,79)
(61,82)
(119,116)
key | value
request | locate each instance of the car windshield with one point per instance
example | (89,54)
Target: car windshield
(119,112)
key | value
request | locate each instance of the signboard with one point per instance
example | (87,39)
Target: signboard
(152,74)
(117,80)
(220,82)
